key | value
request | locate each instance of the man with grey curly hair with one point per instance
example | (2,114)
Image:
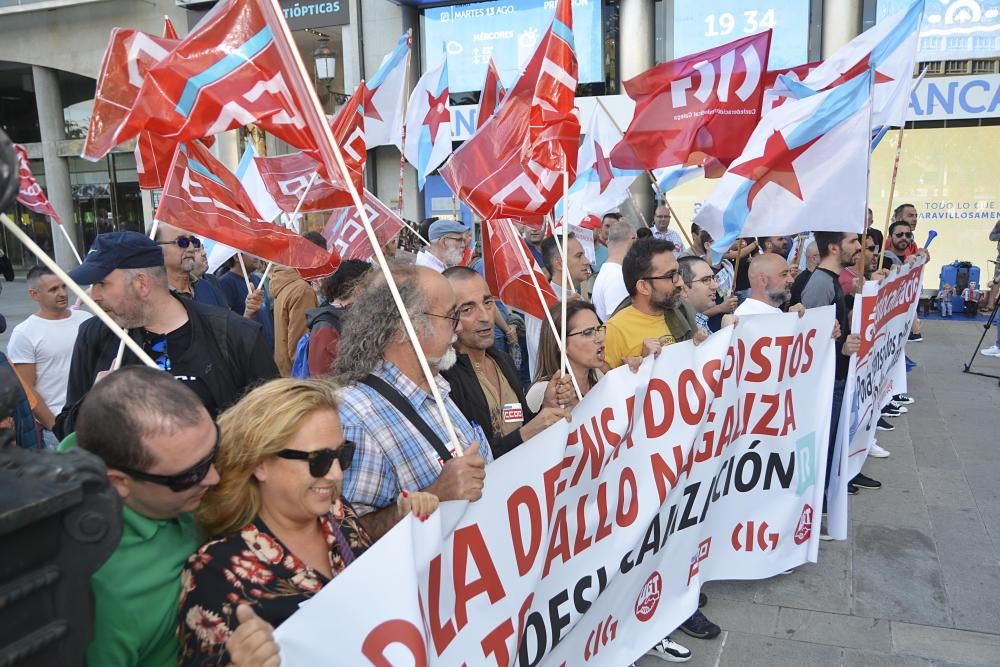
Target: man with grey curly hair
(387,407)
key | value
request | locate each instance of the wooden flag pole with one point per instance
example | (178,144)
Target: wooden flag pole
(79,291)
(406,102)
(892,191)
(246,276)
(559,247)
(563,359)
(328,149)
(541,299)
(652,179)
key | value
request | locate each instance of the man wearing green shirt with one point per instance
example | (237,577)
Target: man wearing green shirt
(158,443)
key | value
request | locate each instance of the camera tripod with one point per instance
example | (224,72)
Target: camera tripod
(992,321)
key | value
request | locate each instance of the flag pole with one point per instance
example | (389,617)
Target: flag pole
(652,179)
(72,246)
(563,359)
(541,299)
(892,191)
(246,276)
(330,152)
(76,289)
(406,101)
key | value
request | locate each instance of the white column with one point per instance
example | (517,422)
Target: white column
(636,54)
(52,126)
(841,24)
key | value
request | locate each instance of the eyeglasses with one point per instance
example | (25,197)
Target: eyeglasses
(183,242)
(900,235)
(454,239)
(184,480)
(455,319)
(707,280)
(872,248)
(672,276)
(590,332)
(321,460)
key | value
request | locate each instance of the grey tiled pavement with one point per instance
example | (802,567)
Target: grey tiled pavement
(918,580)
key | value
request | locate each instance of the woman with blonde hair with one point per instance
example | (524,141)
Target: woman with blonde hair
(280,529)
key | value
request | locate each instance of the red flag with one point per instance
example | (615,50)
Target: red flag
(511,167)
(506,274)
(345,232)
(29,192)
(493,92)
(286,178)
(700,106)
(168,28)
(229,71)
(348,127)
(204,198)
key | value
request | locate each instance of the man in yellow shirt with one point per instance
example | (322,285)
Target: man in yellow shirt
(652,278)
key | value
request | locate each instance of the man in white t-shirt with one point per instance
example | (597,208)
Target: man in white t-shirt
(609,286)
(770,285)
(41,347)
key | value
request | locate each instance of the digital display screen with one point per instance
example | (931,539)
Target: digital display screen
(702,24)
(509,31)
(953,29)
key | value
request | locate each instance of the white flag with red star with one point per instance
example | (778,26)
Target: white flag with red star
(428,123)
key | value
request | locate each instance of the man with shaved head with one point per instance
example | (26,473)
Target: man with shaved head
(770,285)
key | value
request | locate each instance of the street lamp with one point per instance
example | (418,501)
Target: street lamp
(326,60)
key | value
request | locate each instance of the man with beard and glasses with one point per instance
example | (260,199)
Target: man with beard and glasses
(388,409)
(448,242)
(159,445)
(484,382)
(770,286)
(656,316)
(41,347)
(215,352)
(180,257)
(837,250)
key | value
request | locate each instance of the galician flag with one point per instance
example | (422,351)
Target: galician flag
(599,187)
(889,48)
(804,168)
(428,123)
(384,95)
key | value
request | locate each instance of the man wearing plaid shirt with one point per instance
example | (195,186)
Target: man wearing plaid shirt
(391,455)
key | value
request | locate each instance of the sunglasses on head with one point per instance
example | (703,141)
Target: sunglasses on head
(321,460)
(183,242)
(183,480)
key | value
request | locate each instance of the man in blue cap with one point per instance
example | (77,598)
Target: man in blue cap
(212,350)
(448,241)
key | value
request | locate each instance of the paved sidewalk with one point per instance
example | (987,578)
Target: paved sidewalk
(918,580)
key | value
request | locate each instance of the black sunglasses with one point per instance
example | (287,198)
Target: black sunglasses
(321,460)
(900,235)
(183,242)
(184,480)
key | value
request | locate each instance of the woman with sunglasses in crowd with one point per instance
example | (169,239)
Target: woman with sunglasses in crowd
(279,527)
(584,350)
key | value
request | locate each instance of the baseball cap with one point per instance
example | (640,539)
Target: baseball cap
(117,250)
(442,227)
(591,221)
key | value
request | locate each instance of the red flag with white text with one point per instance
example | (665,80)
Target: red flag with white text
(345,233)
(287,179)
(348,127)
(697,107)
(512,165)
(29,192)
(491,95)
(509,279)
(203,197)
(229,71)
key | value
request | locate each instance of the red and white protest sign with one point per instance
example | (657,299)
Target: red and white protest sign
(29,192)
(883,315)
(592,540)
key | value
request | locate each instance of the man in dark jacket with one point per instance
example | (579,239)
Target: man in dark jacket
(484,381)
(216,353)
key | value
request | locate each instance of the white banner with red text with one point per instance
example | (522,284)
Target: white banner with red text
(592,540)
(883,314)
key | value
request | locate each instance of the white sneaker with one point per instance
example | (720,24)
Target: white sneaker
(899,408)
(991,351)
(877,452)
(669,650)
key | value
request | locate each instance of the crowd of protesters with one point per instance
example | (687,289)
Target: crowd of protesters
(290,423)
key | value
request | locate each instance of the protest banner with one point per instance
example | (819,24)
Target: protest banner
(882,316)
(592,540)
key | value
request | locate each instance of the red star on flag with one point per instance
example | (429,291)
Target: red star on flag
(437,112)
(366,101)
(860,67)
(603,166)
(774,166)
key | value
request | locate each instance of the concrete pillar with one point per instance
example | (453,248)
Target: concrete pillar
(841,24)
(636,54)
(58,189)
(413,199)
(227,149)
